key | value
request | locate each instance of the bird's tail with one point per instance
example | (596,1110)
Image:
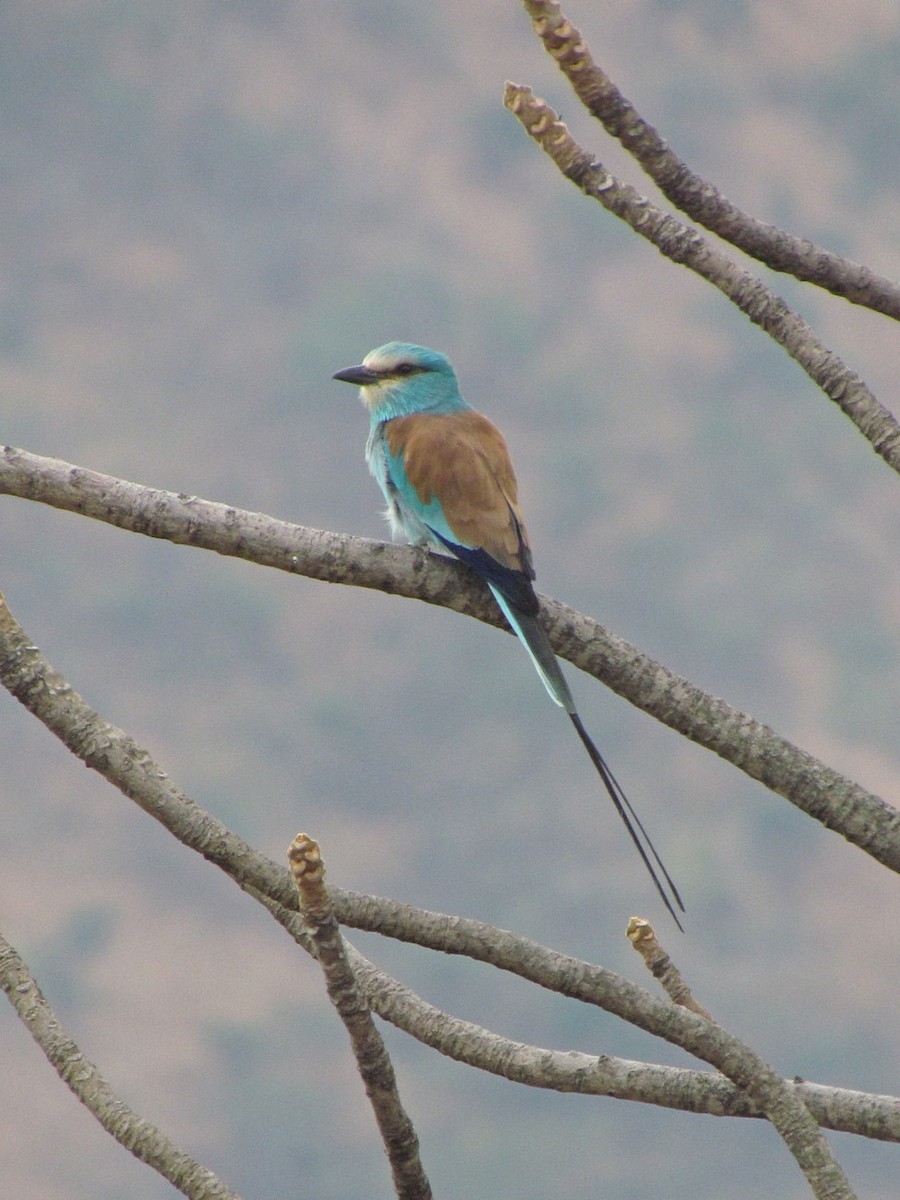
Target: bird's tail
(531,633)
(628,815)
(534,638)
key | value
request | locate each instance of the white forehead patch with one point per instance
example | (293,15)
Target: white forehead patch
(375,360)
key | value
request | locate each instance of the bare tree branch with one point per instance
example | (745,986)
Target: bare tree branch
(695,196)
(131,769)
(139,1137)
(822,793)
(397,1133)
(560,973)
(841,1109)
(684,245)
(778,1099)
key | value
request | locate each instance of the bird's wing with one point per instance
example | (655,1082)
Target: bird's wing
(458,468)
(454,471)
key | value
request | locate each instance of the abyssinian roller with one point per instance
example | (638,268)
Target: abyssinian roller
(446,474)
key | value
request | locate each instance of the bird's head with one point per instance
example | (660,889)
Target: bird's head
(399,378)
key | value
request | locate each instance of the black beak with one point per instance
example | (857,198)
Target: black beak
(360,375)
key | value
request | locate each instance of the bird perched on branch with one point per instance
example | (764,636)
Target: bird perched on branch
(447,477)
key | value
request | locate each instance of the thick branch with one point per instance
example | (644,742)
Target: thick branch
(695,196)
(822,793)
(139,1137)
(684,245)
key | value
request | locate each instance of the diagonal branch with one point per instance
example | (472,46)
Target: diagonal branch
(138,1136)
(688,191)
(682,244)
(824,794)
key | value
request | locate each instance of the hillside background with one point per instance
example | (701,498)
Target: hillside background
(207,210)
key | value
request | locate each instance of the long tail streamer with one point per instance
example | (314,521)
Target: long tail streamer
(628,815)
(533,637)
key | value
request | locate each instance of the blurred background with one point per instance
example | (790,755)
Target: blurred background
(207,210)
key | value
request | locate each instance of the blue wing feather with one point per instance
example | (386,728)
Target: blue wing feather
(514,585)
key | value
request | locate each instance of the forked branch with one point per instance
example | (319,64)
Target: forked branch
(697,197)
(683,244)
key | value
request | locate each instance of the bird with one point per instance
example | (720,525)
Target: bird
(446,474)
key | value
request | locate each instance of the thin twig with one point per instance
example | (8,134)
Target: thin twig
(683,244)
(397,1133)
(643,938)
(139,1137)
(695,196)
(822,793)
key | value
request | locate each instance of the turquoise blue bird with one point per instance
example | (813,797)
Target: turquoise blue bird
(446,474)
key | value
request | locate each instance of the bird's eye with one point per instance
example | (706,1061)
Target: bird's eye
(405,369)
